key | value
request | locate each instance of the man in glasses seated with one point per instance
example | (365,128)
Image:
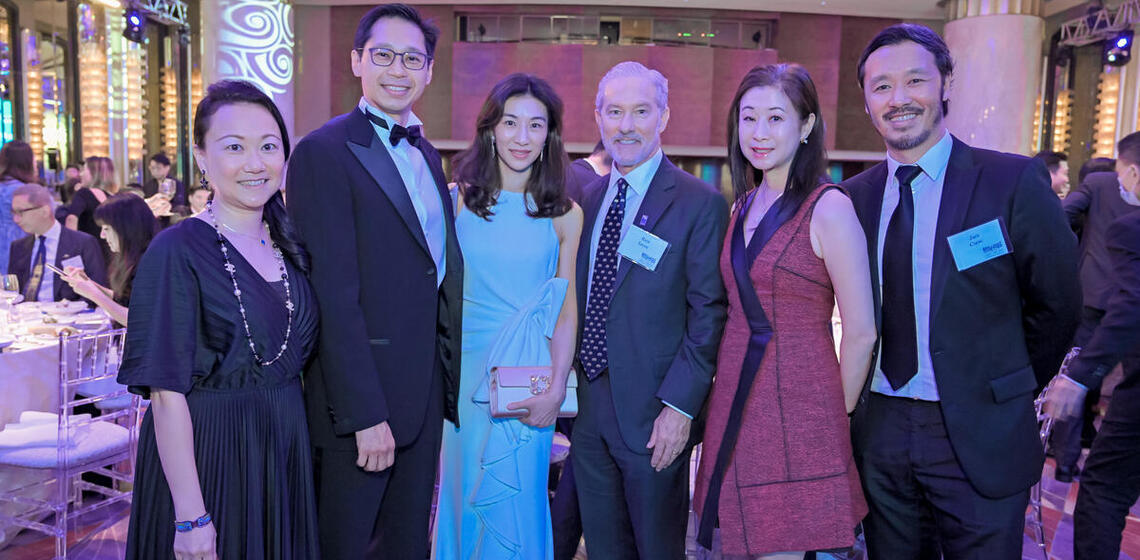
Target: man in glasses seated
(48,243)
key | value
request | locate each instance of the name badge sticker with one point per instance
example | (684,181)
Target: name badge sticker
(642,248)
(979,244)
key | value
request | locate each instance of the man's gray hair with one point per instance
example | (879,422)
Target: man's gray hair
(631,69)
(37,195)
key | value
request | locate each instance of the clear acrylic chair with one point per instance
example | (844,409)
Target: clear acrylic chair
(103,444)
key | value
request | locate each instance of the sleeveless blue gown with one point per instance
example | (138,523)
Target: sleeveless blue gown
(493,472)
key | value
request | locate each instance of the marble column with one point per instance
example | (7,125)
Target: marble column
(997,50)
(251,40)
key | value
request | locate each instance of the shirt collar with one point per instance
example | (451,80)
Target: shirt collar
(641,176)
(367,107)
(54,231)
(933,162)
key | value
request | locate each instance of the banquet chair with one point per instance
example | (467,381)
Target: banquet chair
(103,444)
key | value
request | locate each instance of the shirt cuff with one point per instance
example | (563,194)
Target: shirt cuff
(687,415)
(1075,382)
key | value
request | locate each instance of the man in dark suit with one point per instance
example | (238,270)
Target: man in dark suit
(1110,484)
(159,167)
(654,314)
(975,278)
(1091,209)
(586,170)
(49,242)
(369,198)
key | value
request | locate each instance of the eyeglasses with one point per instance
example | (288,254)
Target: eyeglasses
(23,211)
(411,60)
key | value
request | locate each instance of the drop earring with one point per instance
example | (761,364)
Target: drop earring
(803,140)
(202,181)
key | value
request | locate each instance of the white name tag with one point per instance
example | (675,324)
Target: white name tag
(642,248)
(978,245)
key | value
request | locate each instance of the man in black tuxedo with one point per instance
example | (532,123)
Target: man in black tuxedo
(1091,208)
(975,279)
(650,327)
(369,198)
(1110,484)
(49,242)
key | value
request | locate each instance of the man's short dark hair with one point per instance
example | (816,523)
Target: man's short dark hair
(160,158)
(1095,165)
(920,34)
(1128,149)
(1052,160)
(74,166)
(401,11)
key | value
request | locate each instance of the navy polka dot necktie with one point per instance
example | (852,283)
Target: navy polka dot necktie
(594,356)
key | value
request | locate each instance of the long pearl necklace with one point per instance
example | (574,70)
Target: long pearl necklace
(237,291)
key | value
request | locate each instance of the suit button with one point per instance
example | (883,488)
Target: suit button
(431,271)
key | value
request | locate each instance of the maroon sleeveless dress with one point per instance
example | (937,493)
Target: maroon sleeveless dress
(790,483)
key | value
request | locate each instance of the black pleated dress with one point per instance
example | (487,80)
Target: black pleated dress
(251,441)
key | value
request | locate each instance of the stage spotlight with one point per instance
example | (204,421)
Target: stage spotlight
(1118,49)
(134,26)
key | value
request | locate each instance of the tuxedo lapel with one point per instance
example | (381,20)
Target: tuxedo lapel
(591,206)
(957,191)
(375,158)
(658,197)
(64,250)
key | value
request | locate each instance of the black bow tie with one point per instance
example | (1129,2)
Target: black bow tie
(397,132)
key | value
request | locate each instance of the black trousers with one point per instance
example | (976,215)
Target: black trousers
(380,515)
(1111,481)
(565,518)
(1065,439)
(629,510)
(921,504)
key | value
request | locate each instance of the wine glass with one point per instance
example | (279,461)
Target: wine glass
(166,188)
(10,283)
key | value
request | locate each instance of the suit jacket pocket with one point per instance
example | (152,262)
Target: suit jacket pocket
(1013,384)
(379,341)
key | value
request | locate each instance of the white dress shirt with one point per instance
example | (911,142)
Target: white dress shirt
(421,187)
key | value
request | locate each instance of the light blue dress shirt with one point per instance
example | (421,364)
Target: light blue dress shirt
(927,192)
(51,247)
(421,187)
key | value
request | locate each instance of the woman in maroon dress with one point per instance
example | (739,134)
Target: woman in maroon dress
(777,473)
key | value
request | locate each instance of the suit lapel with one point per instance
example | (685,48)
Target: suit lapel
(957,191)
(591,206)
(366,146)
(658,197)
(63,251)
(869,208)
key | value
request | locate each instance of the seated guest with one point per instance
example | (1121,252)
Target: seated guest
(1058,166)
(17,168)
(198,199)
(127,226)
(159,167)
(48,242)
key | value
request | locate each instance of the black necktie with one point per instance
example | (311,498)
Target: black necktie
(594,356)
(397,132)
(900,337)
(32,292)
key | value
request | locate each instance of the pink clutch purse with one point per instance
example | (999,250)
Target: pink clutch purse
(516,383)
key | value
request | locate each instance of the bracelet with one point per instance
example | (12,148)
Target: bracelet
(187,526)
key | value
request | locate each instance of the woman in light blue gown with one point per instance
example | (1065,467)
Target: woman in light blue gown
(519,236)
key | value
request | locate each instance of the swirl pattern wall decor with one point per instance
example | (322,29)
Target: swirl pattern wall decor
(256,43)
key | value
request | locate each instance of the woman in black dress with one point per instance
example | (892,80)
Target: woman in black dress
(96,184)
(222,320)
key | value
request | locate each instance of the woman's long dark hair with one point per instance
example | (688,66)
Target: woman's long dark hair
(134,224)
(229,92)
(809,164)
(18,161)
(477,167)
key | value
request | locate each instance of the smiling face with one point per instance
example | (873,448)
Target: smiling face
(903,92)
(198,200)
(630,121)
(392,89)
(242,155)
(521,134)
(770,129)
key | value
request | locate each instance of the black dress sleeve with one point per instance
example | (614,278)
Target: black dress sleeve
(163,318)
(82,201)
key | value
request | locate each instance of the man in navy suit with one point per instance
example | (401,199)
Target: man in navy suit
(369,198)
(974,270)
(651,326)
(49,242)
(1110,484)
